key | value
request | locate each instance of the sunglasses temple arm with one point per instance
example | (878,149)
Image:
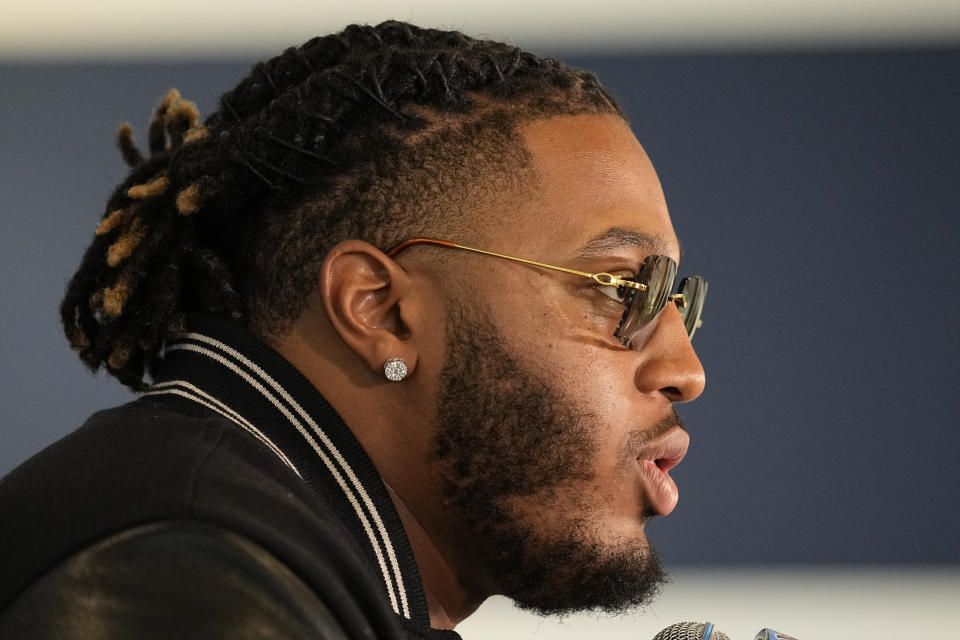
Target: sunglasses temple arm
(601,278)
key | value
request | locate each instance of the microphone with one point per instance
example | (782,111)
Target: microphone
(705,631)
(770,634)
(691,631)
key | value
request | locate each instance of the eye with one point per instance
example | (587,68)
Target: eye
(614,293)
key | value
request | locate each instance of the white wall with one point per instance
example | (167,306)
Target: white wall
(810,604)
(215,28)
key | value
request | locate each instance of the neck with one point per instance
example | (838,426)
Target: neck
(449,599)
(320,358)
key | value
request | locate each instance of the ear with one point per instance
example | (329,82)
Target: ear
(369,301)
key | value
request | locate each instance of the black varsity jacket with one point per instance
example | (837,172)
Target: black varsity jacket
(230,500)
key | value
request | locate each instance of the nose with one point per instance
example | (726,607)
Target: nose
(669,364)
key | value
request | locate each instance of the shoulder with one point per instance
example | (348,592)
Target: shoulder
(181,504)
(148,450)
(172,579)
(144,462)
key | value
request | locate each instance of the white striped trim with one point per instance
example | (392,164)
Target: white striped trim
(378,548)
(201,397)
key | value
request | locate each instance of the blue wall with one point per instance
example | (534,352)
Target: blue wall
(816,191)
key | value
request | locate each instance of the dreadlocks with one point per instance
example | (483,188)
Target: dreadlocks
(377,133)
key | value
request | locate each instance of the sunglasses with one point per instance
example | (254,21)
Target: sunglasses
(644,296)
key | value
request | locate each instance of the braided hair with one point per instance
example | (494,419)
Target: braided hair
(377,133)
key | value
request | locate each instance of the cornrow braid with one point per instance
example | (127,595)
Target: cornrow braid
(374,133)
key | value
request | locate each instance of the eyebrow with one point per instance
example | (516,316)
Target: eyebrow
(614,238)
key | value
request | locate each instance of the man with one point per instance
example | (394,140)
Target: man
(405,305)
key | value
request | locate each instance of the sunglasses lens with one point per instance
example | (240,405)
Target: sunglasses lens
(694,291)
(658,274)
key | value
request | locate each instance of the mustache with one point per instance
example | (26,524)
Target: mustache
(640,438)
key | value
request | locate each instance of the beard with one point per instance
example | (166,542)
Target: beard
(516,457)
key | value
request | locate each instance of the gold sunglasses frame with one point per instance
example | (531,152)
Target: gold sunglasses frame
(604,279)
(601,278)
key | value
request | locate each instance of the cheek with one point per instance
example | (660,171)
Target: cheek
(582,361)
(571,346)
(560,334)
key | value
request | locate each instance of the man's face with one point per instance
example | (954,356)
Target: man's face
(554,438)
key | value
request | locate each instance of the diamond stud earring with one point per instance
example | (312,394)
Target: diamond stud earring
(395,369)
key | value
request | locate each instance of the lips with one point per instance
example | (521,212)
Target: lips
(655,460)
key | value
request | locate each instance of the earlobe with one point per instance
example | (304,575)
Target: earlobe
(368,300)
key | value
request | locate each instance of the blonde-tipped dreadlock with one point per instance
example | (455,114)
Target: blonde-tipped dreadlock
(126,244)
(376,133)
(120,216)
(126,258)
(131,155)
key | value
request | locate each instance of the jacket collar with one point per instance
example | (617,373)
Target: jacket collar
(220,366)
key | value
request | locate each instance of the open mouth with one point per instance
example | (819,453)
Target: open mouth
(655,461)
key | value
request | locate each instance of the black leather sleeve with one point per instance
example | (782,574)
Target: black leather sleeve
(170,580)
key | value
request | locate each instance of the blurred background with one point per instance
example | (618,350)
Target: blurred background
(810,153)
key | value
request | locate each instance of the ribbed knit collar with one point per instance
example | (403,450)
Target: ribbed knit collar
(222,367)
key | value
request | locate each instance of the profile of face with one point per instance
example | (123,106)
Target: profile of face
(554,439)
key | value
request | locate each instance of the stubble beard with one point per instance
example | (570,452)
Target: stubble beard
(515,456)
